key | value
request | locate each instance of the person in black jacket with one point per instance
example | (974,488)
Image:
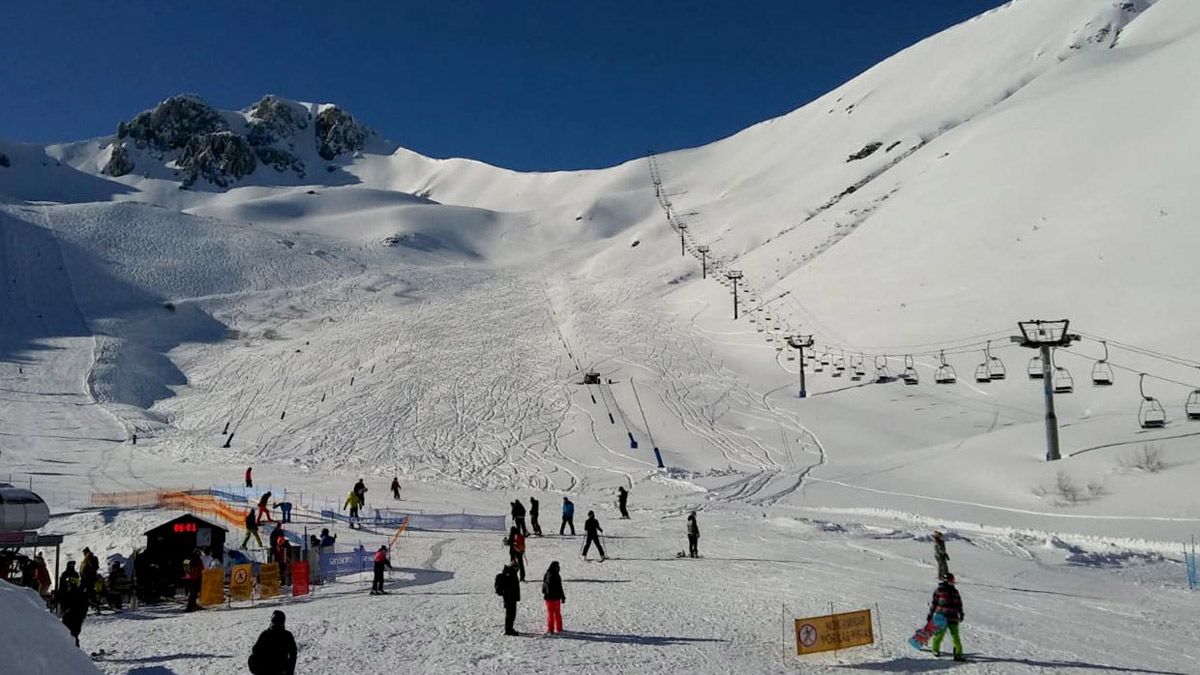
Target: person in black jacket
(623,501)
(74,606)
(275,651)
(508,586)
(948,603)
(533,517)
(591,528)
(251,529)
(552,593)
(381,561)
(693,534)
(518,515)
(568,517)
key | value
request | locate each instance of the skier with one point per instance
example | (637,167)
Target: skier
(622,501)
(516,550)
(533,516)
(73,603)
(518,515)
(939,554)
(360,489)
(552,593)
(249,478)
(381,561)
(275,651)
(693,532)
(508,586)
(948,603)
(591,528)
(568,516)
(264,507)
(251,529)
(353,501)
(396,487)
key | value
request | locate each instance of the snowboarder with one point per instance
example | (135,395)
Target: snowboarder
(591,527)
(622,501)
(249,478)
(568,516)
(396,487)
(73,604)
(533,517)
(360,489)
(552,593)
(939,554)
(508,586)
(251,529)
(693,534)
(516,550)
(353,502)
(264,507)
(518,515)
(275,651)
(948,603)
(381,561)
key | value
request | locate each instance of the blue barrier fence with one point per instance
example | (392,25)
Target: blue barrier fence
(351,562)
(424,521)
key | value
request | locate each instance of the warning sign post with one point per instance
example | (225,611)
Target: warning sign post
(834,631)
(268,580)
(241,582)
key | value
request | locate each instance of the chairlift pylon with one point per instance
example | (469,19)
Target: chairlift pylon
(910,372)
(1102,374)
(945,373)
(1151,414)
(1063,382)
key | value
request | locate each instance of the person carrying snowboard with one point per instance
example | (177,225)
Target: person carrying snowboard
(381,561)
(275,651)
(249,477)
(552,593)
(948,603)
(516,550)
(518,516)
(693,534)
(352,503)
(591,527)
(568,516)
(622,501)
(508,587)
(396,487)
(264,508)
(251,529)
(939,554)
(533,517)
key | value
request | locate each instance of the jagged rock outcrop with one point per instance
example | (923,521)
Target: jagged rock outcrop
(273,119)
(173,123)
(119,162)
(221,157)
(338,132)
(280,160)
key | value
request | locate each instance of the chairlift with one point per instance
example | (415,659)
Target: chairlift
(882,374)
(1035,368)
(791,356)
(910,372)
(816,365)
(983,374)
(859,372)
(825,358)
(996,370)
(1102,373)
(1063,382)
(839,364)
(1192,407)
(945,373)
(1151,414)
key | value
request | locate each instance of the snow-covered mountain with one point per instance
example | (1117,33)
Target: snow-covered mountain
(344,305)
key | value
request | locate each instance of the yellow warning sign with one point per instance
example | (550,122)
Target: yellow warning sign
(268,580)
(212,587)
(834,631)
(241,582)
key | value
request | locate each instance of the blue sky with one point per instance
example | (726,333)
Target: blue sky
(532,84)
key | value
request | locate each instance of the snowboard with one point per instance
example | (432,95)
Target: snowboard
(921,637)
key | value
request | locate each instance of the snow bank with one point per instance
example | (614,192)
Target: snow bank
(35,642)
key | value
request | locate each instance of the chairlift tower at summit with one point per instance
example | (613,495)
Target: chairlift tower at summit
(1044,336)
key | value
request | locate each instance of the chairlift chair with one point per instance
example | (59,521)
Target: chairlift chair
(1151,414)
(996,370)
(1192,407)
(945,373)
(1102,373)
(910,372)
(882,374)
(825,358)
(839,364)
(859,372)
(1035,368)
(1063,382)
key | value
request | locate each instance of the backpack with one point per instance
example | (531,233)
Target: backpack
(499,584)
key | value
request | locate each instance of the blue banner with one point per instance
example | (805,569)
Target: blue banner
(350,562)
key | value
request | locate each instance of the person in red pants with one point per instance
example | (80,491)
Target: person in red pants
(552,592)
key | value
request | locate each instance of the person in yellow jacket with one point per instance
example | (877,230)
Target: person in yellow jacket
(353,501)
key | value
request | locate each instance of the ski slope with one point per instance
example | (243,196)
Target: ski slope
(433,319)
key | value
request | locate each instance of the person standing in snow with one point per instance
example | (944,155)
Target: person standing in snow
(275,651)
(73,603)
(381,561)
(352,503)
(591,528)
(327,540)
(518,516)
(193,568)
(693,534)
(89,569)
(249,478)
(552,593)
(533,517)
(360,489)
(508,587)
(264,508)
(396,487)
(41,574)
(285,511)
(939,554)
(251,529)
(568,516)
(948,603)
(516,550)
(623,501)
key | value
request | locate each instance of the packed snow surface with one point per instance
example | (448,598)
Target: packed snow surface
(433,319)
